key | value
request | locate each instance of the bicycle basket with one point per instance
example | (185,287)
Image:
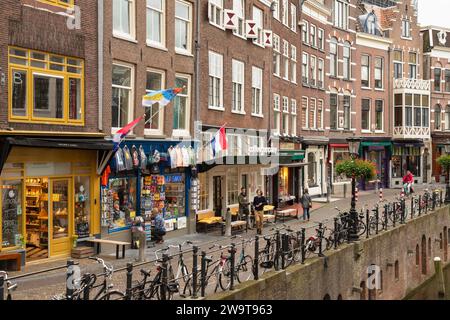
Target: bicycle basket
(266,264)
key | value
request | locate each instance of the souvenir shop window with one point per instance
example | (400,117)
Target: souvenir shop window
(11,204)
(232,186)
(119,204)
(82,207)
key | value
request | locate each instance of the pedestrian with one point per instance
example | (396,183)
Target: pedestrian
(160,229)
(259,202)
(243,206)
(306,204)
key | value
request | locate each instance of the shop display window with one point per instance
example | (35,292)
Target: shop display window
(204,191)
(82,207)
(340,155)
(406,158)
(11,204)
(60,207)
(119,204)
(232,186)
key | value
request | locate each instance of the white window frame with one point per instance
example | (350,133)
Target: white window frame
(293,64)
(259,27)
(305,68)
(257,85)
(305,125)
(240,19)
(375,73)
(313,71)
(216,6)
(406,29)
(382,115)
(369,120)
(188,50)
(340,14)
(131,88)
(321,39)
(368,70)
(238,78)
(294,117)
(131,23)
(277,112)
(346,61)
(277,55)
(285,116)
(305,32)
(321,113)
(285,13)
(276,12)
(412,64)
(293,17)
(313,36)
(185,132)
(334,68)
(160,115)
(218,74)
(286,59)
(162,26)
(320,73)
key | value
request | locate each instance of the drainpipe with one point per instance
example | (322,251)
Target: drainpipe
(100,12)
(391,127)
(197,62)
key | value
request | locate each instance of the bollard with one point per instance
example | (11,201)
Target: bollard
(277,251)
(420,205)
(440,278)
(142,244)
(367,224)
(87,289)
(320,239)
(203,275)
(69,279)
(228,223)
(256,263)
(336,234)
(164,285)
(130,280)
(283,250)
(303,245)
(233,261)
(2,288)
(194,271)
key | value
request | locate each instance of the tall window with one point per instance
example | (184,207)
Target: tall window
(437,77)
(312,113)
(276,109)
(425,111)
(293,64)
(398,110)
(276,12)
(215,80)
(406,30)
(305,32)
(398,64)
(312,34)
(365,71)
(313,79)
(258,17)
(333,57)
(215,12)
(365,114)
(320,114)
(276,55)
(155,22)
(293,17)
(379,115)
(346,58)
(285,13)
(320,39)
(340,14)
(347,112)
(408,110)
(257,75)
(45,87)
(122,95)
(286,59)
(413,65)
(182,104)
(239,10)
(238,86)
(333,111)
(305,66)
(447,117)
(379,73)
(417,111)
(183,26)
(437,117)
(294,117)
(154,117)
(304,112)
(123,18)
(285,122)
(320,73)
(204,191)
(447,80)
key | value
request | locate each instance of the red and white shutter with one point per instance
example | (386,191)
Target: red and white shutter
(250,28)
(268,38)
(230,20)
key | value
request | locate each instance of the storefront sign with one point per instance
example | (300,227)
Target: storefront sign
(287,146)
(256,149)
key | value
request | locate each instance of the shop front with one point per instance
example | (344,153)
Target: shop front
(440,141)
(379,152)
(407,155)
(338,151)
(145,175)
(315,171)
(49,194)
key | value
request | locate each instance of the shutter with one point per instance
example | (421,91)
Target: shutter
(230,20)
(268,38)
(250,29)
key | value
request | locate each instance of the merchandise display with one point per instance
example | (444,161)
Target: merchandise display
(82,207)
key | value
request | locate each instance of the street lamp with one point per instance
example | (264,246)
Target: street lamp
(447,187)
(353,147)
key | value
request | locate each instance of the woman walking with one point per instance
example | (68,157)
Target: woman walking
(259,202)
(306,204)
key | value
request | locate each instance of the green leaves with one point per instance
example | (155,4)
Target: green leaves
(357,168)
(444,161)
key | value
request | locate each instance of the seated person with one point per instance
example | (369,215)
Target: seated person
(159,230)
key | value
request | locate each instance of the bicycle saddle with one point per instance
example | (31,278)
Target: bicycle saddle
(145,273)
(208,258)
(267,238)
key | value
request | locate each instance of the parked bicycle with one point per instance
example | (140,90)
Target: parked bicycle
(10,287)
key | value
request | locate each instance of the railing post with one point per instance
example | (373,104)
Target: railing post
(420,205)
(426,203)
(203,275)
(412,207)
(2,288)
(336,233)
(233,262)
(69,279)
(283,250)
(403,211)
(367,224)
(256,259)
(277,251)
(303,240)
(394,215)
(129,280)
(164,285)
(194,271)
(386,213)
(87,289)
(440,197)
(320,239)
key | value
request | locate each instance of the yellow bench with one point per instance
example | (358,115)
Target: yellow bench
(208,218)
(267,217)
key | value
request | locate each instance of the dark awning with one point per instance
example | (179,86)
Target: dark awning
(104,147)
(234,160)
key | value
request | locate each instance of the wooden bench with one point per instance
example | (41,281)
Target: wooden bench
(208,218)
(16,257)
(287,212)
(116,243)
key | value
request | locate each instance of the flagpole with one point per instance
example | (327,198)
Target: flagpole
(216,133)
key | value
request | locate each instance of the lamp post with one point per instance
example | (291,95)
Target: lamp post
(447,185)
(353,147)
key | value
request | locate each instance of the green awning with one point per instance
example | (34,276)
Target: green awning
(287,156)
(376,144)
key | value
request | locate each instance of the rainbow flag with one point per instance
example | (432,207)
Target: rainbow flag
(163,97)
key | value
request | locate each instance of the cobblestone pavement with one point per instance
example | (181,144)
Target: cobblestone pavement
(44,286)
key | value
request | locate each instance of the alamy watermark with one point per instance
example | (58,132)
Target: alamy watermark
(73,281)
(74,18)
(373,277)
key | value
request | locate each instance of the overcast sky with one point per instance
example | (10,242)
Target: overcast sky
(434,12)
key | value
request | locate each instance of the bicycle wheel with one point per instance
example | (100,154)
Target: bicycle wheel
(159,293)
(187,289)
(245,269)
(294,252)
(361,228)
(112,295)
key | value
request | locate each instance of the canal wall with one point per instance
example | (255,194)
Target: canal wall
(400,259)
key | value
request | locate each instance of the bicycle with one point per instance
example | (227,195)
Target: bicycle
(244,265)
(314,242)
(182,271)
(105,292)
(10,287)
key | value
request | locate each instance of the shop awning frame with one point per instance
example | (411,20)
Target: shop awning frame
(232,161)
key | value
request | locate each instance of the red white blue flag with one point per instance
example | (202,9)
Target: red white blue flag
(219,141)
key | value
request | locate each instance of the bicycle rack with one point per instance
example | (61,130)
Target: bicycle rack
(303,239)
(203,275)
(256,258)
(194,271)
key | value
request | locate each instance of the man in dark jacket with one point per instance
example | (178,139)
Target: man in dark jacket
(259,202)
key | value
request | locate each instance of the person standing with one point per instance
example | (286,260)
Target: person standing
(306,204)
(160,229)
(243,206)
(259,202)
